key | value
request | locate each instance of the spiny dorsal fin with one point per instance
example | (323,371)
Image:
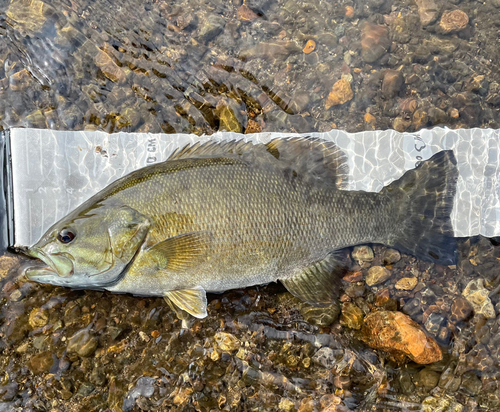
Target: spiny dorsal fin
(193,301)
(318,284)
(310,158)
(180,252)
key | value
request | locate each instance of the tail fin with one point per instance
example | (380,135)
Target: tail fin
(423,203)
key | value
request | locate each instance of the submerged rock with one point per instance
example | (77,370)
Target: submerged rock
(453,21)
(341,93)
(374,41)
(428,11)
(396,333)
(478,297)
(362,254)
(352,316)
(377,275)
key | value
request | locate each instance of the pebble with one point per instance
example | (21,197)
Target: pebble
(352,316)
(6,264)
(442,404)
(286,404)
(377,275)
(453,21)
(226,341)
(428,378)
(392,82)
(341,93)
(362,254)
(396,333)
(391,256)
(434,323)
(41,362)
(109,68)
(228,120)
(325,357)
(245,13)
(83,343)
(320,316)
(370,119)
(400,124)
(309,47)
(253,127)
(460,309)
(428,11)
(384,300)
(38,318)
(212,26)
(478,297)
(406,283)
(306,405)
(374,41)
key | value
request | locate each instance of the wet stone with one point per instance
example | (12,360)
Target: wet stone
(286,404)
(374,41)
(406,283)
(391,256)
(434,323)
(396,333)
(471,384)
(428,378)
(362,254)
(41,362)
(478,297)
(352,316)
(453,21)
(245,13)
(442,404)
(211,27)
(341,93)
(460,309)
(38,317)
(392,82)
(226,341)
(377,275)
(83,343)
(428,11)
(325,357)
(320,316)
(109,68)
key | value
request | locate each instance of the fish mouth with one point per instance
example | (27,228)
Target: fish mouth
(58,264)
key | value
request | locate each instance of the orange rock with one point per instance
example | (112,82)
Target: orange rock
(341,93)
(253,127)
(369,118)
(353,277)
(245,13)
(454,114)
(309,47)
(349,11)
(396,333)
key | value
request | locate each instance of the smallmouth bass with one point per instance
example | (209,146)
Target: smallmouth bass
(220,216)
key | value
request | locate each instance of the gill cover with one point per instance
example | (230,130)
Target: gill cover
(102,242)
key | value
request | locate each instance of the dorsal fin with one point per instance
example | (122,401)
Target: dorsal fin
(313,158)
(310,158)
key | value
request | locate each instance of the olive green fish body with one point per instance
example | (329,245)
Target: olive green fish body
(228,215)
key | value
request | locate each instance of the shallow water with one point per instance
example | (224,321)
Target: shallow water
(202,66)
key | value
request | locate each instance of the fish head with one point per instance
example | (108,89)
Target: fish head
(90,249)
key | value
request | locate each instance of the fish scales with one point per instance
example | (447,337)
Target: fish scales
(229,215)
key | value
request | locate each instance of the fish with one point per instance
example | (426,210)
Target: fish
(233,214)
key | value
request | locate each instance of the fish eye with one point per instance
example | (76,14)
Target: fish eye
(66,236)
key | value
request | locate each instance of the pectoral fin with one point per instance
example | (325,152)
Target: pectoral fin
(318,284)
(180,252)
(193,301)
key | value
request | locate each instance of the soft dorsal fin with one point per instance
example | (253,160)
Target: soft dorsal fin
(313,158)
(310,158)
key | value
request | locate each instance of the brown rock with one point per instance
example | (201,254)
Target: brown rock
(391,85)
(226,341)
(340,94)
(245,13)
(396,333)
(370,119)
(420,119)
(253,127)
(38,318)
(428,11)
(406,283)
(349,11)
(82,343)
(109,68)
(41,362)
(309,47)
(453,21)
(376,275)
(374,41)
(352,316)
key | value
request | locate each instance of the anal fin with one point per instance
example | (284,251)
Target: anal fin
(192,301)
(318,284)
